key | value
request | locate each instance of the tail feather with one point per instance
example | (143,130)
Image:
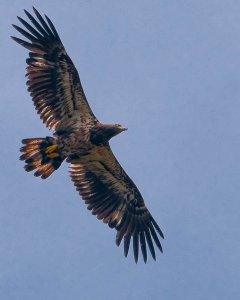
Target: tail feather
(41,154)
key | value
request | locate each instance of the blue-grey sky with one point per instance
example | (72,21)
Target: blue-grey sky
(170,72)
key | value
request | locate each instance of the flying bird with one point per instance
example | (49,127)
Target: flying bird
(80,139)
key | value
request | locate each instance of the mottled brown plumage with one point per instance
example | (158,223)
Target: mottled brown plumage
(80,139)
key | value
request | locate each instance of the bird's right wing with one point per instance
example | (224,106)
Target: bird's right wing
(114,198)
(53,80)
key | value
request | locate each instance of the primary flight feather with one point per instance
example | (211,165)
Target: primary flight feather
(80,139)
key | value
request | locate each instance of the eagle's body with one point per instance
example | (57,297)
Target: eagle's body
(81,140)
(78,141)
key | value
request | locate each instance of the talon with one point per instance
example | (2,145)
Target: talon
(50,149)
(53,155)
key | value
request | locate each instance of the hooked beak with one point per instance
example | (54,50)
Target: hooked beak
(122,128)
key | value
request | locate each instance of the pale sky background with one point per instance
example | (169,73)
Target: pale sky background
(170,72)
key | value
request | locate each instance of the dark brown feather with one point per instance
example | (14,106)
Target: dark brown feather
(136,246)
(143,246)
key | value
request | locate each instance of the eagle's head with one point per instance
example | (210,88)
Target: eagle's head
(103,133)
(118,129)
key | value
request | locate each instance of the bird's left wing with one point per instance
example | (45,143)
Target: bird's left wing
(114,198)
(53,81)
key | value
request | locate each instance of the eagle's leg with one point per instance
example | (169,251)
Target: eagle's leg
(50,151)
(51,148)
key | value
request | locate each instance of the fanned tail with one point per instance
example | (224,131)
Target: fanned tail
(41,154)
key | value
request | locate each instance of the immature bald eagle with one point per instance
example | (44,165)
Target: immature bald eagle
(55,87)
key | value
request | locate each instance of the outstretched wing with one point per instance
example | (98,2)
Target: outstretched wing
(114,198)
(53,80)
